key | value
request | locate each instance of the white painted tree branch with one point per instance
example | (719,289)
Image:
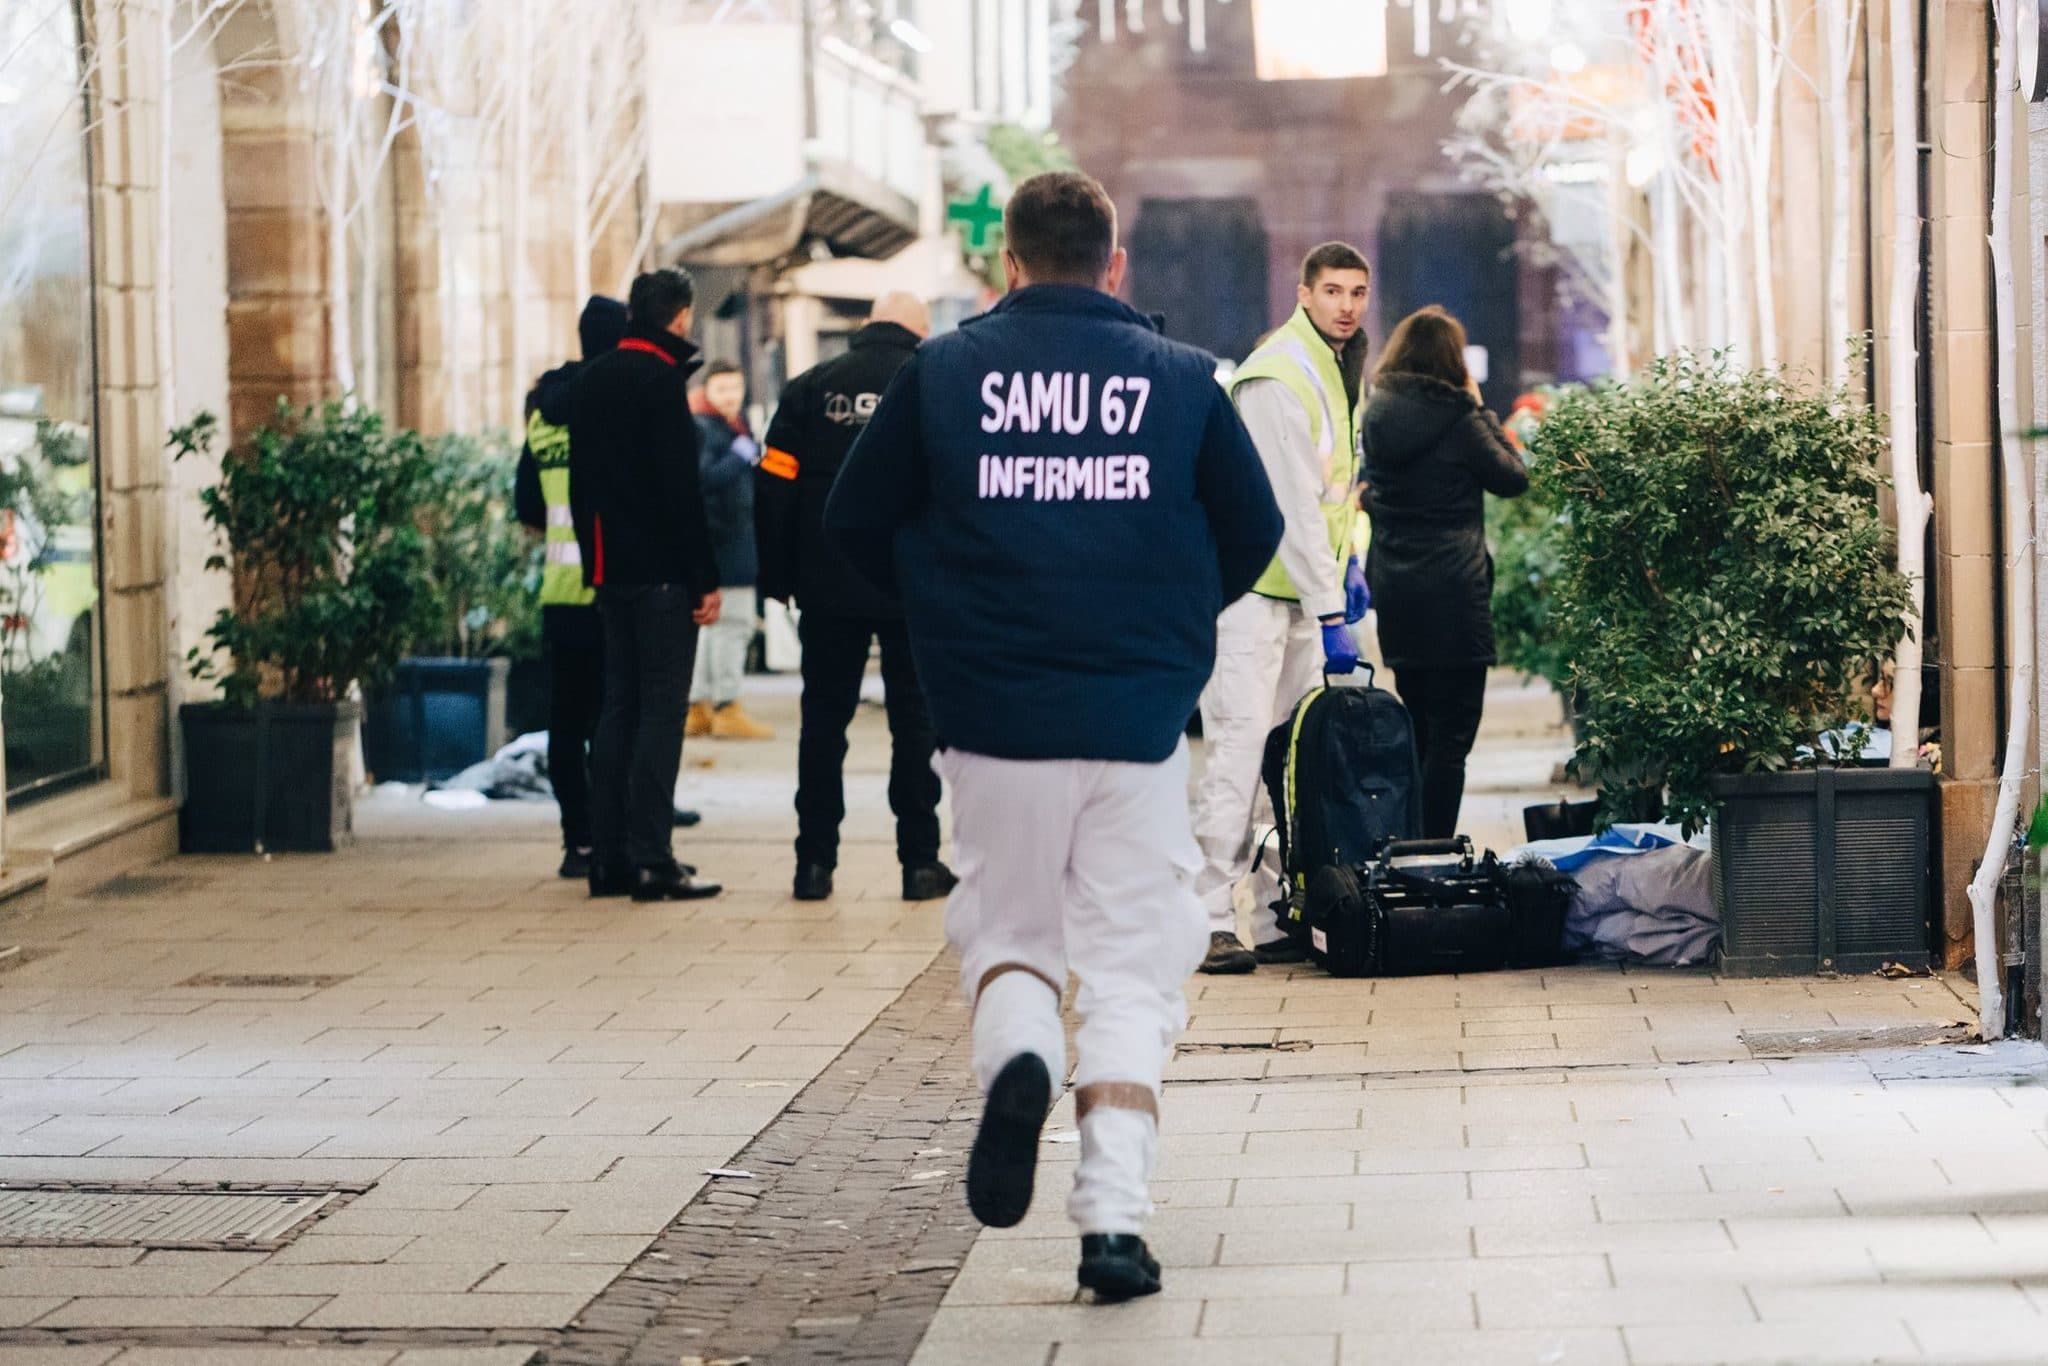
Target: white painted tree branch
(1914,505)
(2019,577)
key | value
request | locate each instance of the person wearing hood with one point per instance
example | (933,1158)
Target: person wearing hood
(729,454)
(1299,395)
(1432,454)
(570,632)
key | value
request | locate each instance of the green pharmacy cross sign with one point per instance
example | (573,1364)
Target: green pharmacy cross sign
(979,217)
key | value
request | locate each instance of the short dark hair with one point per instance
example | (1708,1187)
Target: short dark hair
(1061,227)
(722,367)
(659,295)
(1428,342)
(1333,256)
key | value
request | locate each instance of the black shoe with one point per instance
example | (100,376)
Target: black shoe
(928,881)
(676,882)
(686,819)
(609,878)
(575,863)
(1117,1266)
(1004,1163)
(1288,950)
(1228,956)
(813,882)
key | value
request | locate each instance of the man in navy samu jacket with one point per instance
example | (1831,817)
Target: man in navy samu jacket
(1064,501)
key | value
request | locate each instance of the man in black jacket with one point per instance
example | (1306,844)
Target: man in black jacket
(822,411)
(639,515)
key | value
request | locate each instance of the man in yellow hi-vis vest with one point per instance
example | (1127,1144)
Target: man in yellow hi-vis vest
(1300,395)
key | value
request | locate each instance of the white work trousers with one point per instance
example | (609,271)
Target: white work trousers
(1269,654)
(1083,866)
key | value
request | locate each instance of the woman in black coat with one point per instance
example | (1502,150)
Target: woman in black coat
(1432,454)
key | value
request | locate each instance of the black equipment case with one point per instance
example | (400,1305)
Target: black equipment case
(1430,906)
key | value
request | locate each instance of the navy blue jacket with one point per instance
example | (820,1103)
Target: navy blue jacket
(1064,500)
(726,461)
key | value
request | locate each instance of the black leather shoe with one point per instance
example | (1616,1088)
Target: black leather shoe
(575,863)
(1228,956)
(676,882)
(686,819)
(1289,950)
(610,879)
(813,882)
(1117,1266)
(928,881)
(1004,1163)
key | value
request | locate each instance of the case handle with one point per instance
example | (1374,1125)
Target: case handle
(1457,845)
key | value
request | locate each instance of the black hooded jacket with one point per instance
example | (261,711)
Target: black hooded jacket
(1432,454)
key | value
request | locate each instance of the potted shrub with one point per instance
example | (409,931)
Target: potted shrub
(445,706)
(318,520)
(1726,584)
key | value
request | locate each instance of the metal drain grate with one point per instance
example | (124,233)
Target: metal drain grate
(313,980)
(1786,1043)
(141,884)
(257,1219)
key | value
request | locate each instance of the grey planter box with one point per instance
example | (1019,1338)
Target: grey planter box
(271,778)
(437,717)
(1822,871)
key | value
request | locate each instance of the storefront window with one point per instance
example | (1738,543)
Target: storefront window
(51,710)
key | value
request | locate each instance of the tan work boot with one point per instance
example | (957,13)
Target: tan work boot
(698,722)
(731,722)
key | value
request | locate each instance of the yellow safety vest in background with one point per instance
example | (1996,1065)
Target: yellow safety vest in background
(1298,357)
(561,575)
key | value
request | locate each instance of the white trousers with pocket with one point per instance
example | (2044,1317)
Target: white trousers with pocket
(1081,866)
(1269,654)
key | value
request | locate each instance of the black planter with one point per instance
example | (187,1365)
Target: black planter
(1822,871)
(273,778)
(526,697)
(434,719)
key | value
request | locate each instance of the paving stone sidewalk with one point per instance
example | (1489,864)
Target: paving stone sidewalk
(527,1090)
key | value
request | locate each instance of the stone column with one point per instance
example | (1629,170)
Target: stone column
(1965,567)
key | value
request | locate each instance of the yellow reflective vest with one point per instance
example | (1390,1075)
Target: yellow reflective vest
(561,575)
(1297,356)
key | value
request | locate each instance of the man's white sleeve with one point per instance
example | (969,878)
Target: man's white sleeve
(1279,428)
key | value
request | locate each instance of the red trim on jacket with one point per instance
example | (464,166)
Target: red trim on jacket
(597,544)
(642,344)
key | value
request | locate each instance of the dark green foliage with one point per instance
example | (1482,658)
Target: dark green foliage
(483,571)
(1523,534)
(1725,578)
(320,519)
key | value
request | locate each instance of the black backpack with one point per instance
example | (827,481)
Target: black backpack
(1344,782)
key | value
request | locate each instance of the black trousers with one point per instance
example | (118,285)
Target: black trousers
(1446,705)
(650,645)
(835,660)
(574,640)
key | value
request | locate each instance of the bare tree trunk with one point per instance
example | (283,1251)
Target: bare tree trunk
(522,180)
(1913,503)
(2019,576)
(1838,42)
(1757,174)
(580,189)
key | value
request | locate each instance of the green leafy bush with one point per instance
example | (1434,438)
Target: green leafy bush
(483,572)
(320,520)
(1725,578)
(1523,534)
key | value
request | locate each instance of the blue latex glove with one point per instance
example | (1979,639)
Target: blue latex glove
(1340,651)
(1357,597)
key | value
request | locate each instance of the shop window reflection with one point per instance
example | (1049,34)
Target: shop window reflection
(51,693)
